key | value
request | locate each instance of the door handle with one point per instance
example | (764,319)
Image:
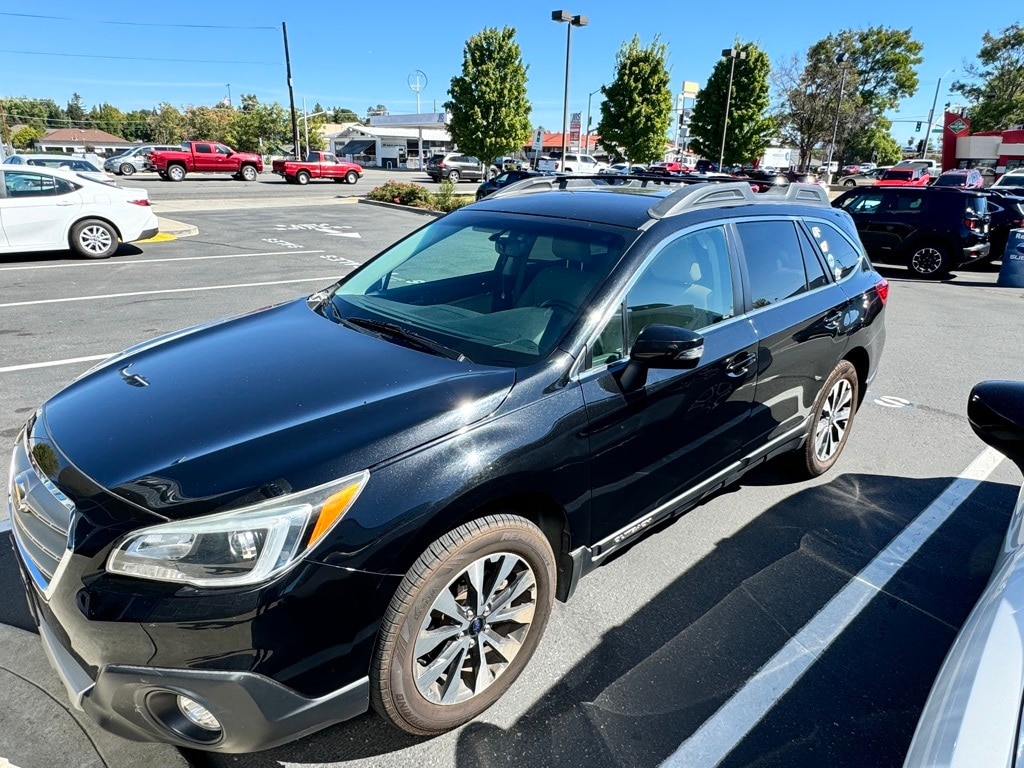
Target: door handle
(64,203)
(739,365)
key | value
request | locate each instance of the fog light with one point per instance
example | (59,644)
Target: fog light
(198,714)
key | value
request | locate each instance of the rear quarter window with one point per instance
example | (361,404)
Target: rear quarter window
(840,256)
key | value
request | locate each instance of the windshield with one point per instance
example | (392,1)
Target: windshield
(1010,180)
(499,289)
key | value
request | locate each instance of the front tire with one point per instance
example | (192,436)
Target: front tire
(351,177)
(831,422)
(93,239)
(463,624)
(249,173)
(453,177)
(127,169)
(849,183)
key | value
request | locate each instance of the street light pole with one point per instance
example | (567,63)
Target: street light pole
(589,96)
(573,21)
(841,59)
(931,114)
(732,54)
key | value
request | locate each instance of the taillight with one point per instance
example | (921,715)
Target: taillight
(882,289)
(972,224)
(139,202)
(440,163)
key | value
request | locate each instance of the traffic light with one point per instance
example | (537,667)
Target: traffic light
(918,129)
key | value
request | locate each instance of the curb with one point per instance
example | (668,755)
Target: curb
(176,228)
(407,208)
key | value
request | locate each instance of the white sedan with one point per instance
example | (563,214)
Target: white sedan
(49,209)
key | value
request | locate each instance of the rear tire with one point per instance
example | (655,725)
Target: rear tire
(929,260)
(463,624)
(176,172)
(831,421)
(849,183)
(301,178)
(93,239)
(453,177)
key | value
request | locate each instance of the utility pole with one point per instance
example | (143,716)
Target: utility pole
(291,93)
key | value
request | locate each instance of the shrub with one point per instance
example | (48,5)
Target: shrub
(402,193)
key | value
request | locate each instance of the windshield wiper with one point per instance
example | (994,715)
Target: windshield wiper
(421,342)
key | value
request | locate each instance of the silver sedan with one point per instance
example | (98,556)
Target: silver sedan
(863,179)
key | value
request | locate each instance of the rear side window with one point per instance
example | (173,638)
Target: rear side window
(775,263)
(841,257)
(907,202)
(203,149)
(977,205)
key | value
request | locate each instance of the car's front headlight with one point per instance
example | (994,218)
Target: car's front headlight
(240,547)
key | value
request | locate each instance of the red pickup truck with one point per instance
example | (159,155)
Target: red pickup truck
(318,165)
(204,157)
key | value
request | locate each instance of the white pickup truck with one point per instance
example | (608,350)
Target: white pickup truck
(573,164)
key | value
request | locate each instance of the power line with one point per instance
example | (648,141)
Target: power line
(131,23)
(138,58)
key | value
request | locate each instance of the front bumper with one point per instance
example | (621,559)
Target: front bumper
(255,712)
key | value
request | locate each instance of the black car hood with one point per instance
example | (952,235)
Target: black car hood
(281,399)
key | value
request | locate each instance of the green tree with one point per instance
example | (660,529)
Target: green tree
(886,61)
(137,126)
(24,137)
(995,84)
(874,143)
(256,125)
(344,115)
(107,117)
(637,107)
(750,127)
(208,123)
(490,114)
(168,124)
(76,112)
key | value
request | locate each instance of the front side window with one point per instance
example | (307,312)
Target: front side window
(688,284)
(870,202)
(222,150)
(775,263)
(498,289)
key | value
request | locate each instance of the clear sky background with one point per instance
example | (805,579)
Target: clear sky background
(357,55)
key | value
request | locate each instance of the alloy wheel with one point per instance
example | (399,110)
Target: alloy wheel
(95,239)
(926,261)
(834,420)
(475,628)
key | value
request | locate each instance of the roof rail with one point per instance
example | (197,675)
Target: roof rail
(799,192)
(703,194)
(566,181)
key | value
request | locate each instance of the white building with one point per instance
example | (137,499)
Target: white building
(392,141)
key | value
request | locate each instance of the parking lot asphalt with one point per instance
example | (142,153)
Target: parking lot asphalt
(663,637)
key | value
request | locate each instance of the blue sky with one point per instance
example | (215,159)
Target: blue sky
(351,56)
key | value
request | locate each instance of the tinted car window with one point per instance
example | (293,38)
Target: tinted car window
(907,202)
(27,184)
(841,257)
(203,149)
(774,261)
(688,285)
(870,202)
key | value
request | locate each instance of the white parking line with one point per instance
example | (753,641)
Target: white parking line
(10,304)
(50,363)
(121,263)
(719,735)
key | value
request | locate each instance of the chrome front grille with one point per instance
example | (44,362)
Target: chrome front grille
(40,518)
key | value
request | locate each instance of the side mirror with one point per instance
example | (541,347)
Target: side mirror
(995,410)
(661,346)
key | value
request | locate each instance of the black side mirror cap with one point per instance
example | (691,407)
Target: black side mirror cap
(995,410)
(661,346)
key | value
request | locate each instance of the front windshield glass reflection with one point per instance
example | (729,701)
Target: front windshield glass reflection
(500,289)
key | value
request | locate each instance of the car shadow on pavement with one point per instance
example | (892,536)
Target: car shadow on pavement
(651,681)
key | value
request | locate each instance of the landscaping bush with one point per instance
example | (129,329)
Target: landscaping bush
(402,193)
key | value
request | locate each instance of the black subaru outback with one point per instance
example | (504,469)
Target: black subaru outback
(239,533)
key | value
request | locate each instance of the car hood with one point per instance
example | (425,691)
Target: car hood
(282,398)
